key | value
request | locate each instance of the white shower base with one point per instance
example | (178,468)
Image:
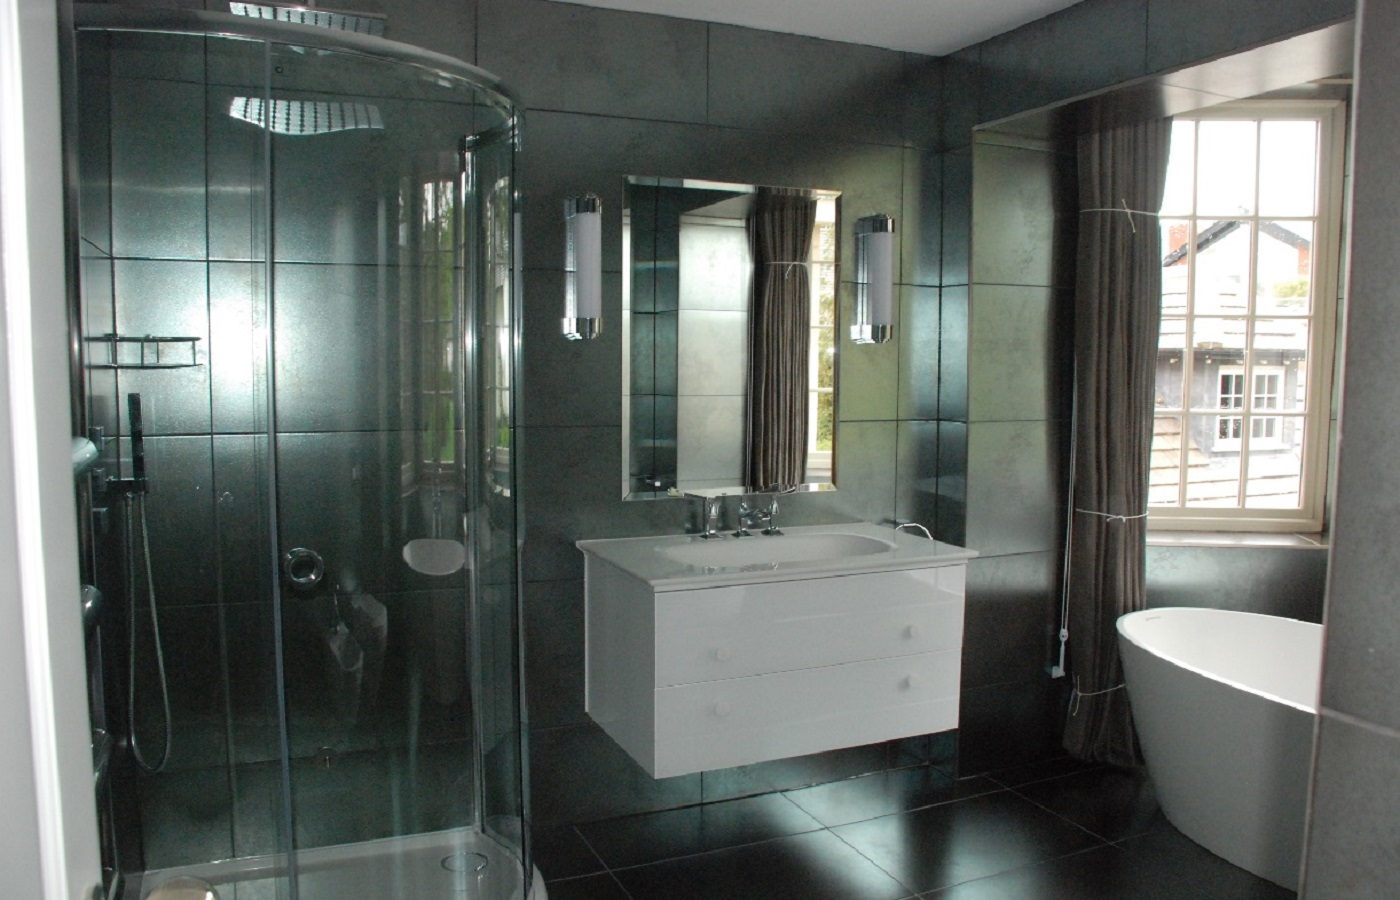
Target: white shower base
(403,868)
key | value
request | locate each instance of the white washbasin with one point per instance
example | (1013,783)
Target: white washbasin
(761,549)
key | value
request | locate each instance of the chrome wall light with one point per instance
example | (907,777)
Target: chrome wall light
(583,267)
(873,322)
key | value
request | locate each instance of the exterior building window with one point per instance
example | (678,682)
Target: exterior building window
(1249,286)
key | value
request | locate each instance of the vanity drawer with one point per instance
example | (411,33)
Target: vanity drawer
(745,720)
(734,632)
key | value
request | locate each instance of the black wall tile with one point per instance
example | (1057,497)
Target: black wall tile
(1011,618)
(957,217)
(578,59)
(952,483)
(573,488)
(919,364)
(554,653)
(1079,49)
(1015,491)
(1018,361)
(1014,214)
(443,26)
(1184,31)
(577,774)
(1352,827)
(921,226)
(569,383)
(768,81)
(1275,581)
(1010,724)
(916,483)
(962,72)
(865,470)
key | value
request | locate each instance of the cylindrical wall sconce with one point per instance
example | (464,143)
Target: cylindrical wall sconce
(873,322)
(583,267)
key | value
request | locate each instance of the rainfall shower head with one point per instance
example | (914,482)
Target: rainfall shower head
(358,22)
(301,117)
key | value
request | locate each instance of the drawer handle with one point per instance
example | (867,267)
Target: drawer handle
(723,709)
(909,683)
(913,631)
(723,654)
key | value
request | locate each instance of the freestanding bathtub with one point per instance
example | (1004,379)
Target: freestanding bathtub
(1224,703)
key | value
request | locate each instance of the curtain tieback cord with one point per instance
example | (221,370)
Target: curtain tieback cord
(1109,516)
(1123,209)
(1075,693)
(788,273)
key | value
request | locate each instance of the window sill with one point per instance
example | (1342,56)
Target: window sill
(1237,539)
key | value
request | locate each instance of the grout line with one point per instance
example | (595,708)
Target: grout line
(620,886)
(1098,837)
(591,849)
(901,883)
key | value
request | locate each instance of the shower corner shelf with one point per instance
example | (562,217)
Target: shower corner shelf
(147,351)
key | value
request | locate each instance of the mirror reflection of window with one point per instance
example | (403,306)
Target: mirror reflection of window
(821,369)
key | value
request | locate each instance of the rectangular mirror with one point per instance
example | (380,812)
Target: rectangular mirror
(729,337)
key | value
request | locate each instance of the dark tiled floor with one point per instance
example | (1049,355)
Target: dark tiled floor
(1057,830)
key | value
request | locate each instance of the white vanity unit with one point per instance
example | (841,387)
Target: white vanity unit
(704,654)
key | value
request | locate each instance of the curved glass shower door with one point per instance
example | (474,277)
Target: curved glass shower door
(324,224)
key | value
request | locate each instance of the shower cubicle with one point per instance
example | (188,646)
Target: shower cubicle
(294,348)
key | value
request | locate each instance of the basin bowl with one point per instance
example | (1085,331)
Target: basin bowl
(760,549)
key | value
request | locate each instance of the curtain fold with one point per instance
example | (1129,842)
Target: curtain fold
(1118,288)
(780,232)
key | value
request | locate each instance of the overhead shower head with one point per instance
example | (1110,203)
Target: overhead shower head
(340,20)
(302,117)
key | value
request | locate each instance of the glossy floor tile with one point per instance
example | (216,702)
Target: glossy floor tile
(945,845)
(637,840)
(1053,830)
(813,866)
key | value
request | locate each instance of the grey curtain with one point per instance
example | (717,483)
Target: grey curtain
(1118,290)
(780,232)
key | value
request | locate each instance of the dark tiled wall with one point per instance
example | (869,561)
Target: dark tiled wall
(1356,776)
(1019,337)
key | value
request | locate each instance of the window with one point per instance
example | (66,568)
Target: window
(821,357)
(1249,281)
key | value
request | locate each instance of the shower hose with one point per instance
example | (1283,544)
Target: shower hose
(136,506)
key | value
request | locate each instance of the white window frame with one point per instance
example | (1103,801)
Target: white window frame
(1326,286)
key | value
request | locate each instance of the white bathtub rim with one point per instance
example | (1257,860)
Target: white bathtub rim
(1124,631)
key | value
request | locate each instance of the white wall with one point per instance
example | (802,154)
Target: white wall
(48,835)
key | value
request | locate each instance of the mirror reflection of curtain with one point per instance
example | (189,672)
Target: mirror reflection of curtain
(780,231)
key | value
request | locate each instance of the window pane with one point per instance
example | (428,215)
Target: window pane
(1181,170)
(1217,349)
(826,356)
(1176,263)
(824,422)
(1283,280)
(1222,266)
(1164,481)
(1170,370)
(826,309)
(1288,168)
(1225,177)
(1275,463)
(1281,347)
(1213,470)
